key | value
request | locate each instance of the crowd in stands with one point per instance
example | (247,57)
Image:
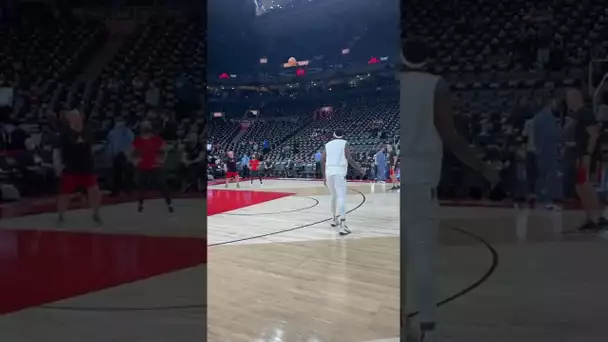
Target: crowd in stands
(158,75)
(502,71)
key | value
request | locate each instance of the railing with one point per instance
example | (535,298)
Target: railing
(594,90)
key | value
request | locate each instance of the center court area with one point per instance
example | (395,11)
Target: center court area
(279,272)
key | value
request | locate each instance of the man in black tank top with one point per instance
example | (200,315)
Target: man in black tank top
(231,169)
(73,160)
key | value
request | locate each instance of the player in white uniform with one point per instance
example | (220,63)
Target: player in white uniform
(426,127)
(334,164)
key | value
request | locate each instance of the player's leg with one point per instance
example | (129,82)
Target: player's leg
(420,228)
(589,199)
(67,186)
(89,182)
(160,180)
(340,189)
(237,178)
(334,199)
(393,176)
(142,185)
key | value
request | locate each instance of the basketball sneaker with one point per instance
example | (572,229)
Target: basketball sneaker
(336,221)
(343,228)
(417,335)
(428,336)
(97,219)
(588,226)
(61,218)
(171,209)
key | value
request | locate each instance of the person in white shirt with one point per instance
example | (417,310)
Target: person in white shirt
(427,126)
(334,163)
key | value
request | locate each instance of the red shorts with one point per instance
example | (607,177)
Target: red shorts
(230,174)
(72,182)
(391,172)
(582,175)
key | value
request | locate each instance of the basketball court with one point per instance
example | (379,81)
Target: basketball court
(136,276)
(279,272)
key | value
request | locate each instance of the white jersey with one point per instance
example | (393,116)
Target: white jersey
(421,146)
(335,158)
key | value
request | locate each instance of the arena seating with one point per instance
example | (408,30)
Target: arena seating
(160,53)
(42,57)
(360,120)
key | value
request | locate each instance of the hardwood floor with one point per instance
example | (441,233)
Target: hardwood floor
(278,272)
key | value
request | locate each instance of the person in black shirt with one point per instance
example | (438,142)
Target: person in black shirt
(192,162)
(392,162)
(231,169)
(587,132)
(73,161)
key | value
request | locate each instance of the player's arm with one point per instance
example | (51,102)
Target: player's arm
(57,156)
(350,159)
(200,158)
(133,152)
(444,123)
(593,130)
(185,159)
(323,162)
(163,150)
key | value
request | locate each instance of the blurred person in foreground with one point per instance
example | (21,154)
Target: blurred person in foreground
(119,141)
(427,126)
(586,134)
(73,162)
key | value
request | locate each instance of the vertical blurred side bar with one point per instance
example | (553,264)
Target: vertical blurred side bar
(205,139)
(403,332)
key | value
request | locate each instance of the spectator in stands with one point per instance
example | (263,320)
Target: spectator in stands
(531,173)
(317,157)
(37,171)
(119,141)
(266,146)
(48,135)
(381,163)
(602,112)
(547,140)
(168,127)
(186,95)
(245,164)
(16,137)
(153,96)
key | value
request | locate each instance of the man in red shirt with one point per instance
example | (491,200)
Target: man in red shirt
(254,165)
(148,156)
